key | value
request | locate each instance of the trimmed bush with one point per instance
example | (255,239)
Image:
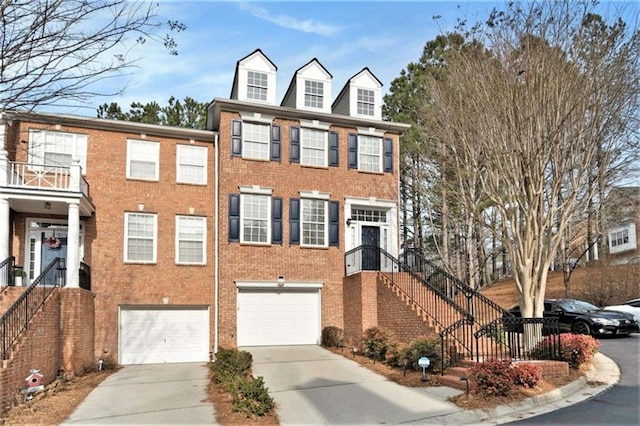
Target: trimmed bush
(575,349)
(231,370)
(252,397)
(407,356)
(525,374)
(377,342)
(332,337)
(492,378)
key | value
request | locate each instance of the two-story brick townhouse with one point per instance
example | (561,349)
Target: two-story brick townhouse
(130,203)
(299,185)
(200,239)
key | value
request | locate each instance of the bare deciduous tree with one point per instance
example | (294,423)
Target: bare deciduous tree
(56,50)
(531,121)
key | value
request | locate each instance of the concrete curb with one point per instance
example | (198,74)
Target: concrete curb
(603,374)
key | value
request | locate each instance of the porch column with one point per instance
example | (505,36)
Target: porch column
(4,229)
(73,246)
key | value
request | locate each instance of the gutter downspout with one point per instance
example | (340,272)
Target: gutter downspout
(216,244)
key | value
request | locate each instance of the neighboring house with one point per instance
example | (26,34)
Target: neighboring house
(200,239)
(623,217)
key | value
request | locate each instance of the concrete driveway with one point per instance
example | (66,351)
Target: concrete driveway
(314,386)
(149,394)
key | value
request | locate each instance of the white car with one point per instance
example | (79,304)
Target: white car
(630,306)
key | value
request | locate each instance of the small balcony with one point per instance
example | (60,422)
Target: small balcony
(44,189)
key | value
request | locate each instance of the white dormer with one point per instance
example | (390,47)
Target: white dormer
(310,88)
(360,97)
(255,79)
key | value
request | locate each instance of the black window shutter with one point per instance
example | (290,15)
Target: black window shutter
(275,143)
(388,155)
(334,223)
(234,217)
(294,155)
(333,149)
(353,151)
(276,220)
(294,221)
(236,138)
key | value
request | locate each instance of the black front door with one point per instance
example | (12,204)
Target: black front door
(371,252)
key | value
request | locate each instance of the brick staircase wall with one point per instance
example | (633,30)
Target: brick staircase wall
(8,296)
(58,341)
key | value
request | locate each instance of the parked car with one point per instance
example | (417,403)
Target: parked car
(580,317)
(630,306)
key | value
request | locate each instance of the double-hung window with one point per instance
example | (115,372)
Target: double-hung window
(370,153)
(255,216)
(313,94)
(255,141)
(365,102)
(623,238)
(191,234)
(53,148)
(141,234)
(314,222)
(191,164)
(314,147)
(255,138)
(257,86)
(143,159)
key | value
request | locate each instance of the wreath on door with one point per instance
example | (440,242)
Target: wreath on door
(52,242)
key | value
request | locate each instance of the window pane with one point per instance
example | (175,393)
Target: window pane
(313,222)
(257,86)
(256,141)
(314,147)
(140,230)
(365,102)
(192,164)
(191,237)
(313,94)
(255,218)
(143,159)
(369,153)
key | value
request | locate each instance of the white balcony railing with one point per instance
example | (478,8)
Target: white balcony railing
(38,176)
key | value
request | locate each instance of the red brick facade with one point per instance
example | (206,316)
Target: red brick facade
(59,340)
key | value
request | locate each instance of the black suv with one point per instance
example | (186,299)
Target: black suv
(581,317)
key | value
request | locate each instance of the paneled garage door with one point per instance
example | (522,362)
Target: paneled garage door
(152,335)
(269,317)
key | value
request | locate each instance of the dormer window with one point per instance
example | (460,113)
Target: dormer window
(257,86)
(313,94)
(366,101)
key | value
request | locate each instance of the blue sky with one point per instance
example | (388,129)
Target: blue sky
(344,36)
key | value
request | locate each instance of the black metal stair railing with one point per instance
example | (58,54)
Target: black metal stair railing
(17,317)
(482,309)
(450,318)
(7,271)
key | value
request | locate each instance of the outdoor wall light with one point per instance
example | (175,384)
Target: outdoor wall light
(280,280)
(349,221)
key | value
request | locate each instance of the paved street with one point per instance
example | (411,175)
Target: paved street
(617,406)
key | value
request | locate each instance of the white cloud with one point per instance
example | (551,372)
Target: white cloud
(304,25)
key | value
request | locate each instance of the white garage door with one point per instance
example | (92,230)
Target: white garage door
(164,335)
(278,317)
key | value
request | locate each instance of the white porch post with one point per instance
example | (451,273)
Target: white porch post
(73,246)
(4,229)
